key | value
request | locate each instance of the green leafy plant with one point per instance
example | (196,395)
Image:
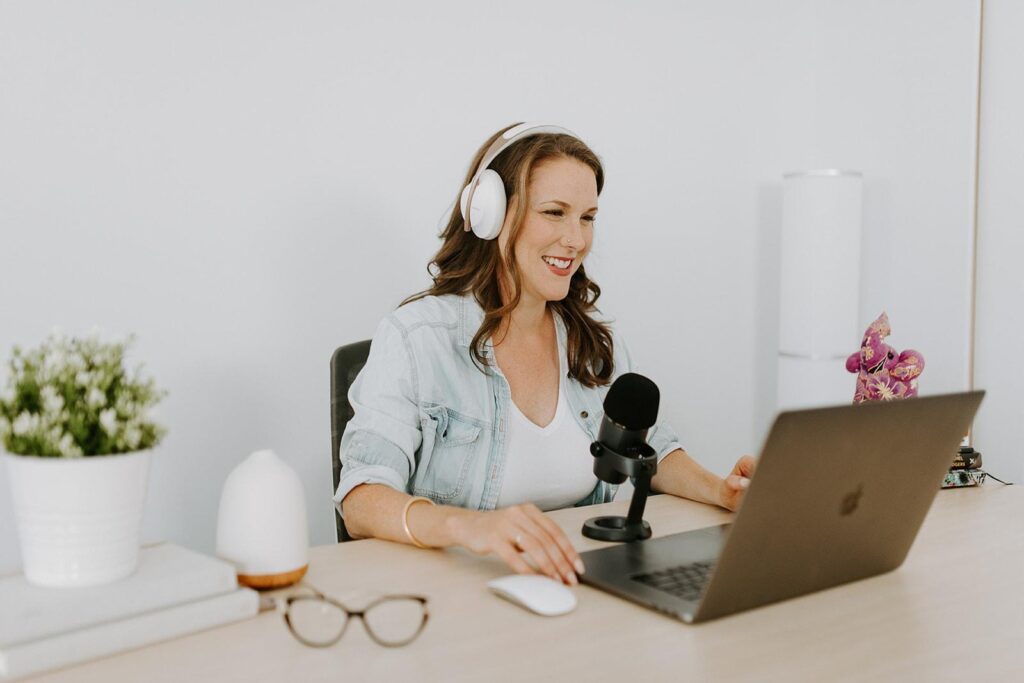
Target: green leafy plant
(73,397)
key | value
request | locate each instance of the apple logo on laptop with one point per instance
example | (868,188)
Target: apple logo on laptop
(851,501)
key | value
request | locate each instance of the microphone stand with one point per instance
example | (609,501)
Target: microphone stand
(642,468)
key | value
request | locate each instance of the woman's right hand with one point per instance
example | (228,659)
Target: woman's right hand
(521,528)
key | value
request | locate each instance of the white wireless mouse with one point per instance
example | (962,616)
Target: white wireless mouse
(536,593)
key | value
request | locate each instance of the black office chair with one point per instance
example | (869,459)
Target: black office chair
(346,362)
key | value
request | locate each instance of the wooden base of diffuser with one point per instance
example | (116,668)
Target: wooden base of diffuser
(265,582)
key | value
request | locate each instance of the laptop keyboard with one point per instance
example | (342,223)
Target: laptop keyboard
(685,581)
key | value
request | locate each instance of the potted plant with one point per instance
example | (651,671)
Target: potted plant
(76,434)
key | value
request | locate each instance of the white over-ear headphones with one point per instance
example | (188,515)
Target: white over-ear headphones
(483,200)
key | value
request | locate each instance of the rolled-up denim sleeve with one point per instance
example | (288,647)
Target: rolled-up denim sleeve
(380,441)
(661,437)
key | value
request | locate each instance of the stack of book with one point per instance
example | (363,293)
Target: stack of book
(174,592)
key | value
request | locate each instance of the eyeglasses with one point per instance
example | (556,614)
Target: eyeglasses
(317,620)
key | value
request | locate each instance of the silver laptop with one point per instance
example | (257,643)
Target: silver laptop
(839,495)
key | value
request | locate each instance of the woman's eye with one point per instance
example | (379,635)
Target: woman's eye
(554,212)
(590,218)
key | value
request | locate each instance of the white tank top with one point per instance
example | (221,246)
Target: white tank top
(550,466)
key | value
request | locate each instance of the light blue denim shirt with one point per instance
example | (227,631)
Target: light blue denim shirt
(429,422)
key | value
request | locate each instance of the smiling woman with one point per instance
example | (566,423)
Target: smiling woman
(561,178)
(483,393)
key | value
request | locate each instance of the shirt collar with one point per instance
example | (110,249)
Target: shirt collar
(471,316)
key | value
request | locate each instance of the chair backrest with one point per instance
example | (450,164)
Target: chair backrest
(346,362)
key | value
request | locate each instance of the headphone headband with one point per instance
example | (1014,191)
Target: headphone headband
(510,136)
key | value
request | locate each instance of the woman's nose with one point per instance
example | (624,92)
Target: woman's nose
(573,236)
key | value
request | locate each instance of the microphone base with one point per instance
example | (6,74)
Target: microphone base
(616,528)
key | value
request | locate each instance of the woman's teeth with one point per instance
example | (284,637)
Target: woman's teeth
(557,263)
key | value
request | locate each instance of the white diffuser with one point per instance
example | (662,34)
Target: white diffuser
(261,526)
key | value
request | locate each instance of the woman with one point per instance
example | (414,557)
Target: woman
(481,395)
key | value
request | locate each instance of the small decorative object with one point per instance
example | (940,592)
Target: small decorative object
(261,526)
(882,374)
(77,436)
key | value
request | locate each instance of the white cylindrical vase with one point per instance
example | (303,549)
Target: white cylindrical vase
(261,524)
(78,519)
(819,293)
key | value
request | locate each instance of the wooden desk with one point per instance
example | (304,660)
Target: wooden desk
(953,611)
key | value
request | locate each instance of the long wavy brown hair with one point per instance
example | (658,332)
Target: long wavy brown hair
(466,264)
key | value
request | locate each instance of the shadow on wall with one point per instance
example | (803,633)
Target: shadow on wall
(332,286)
(764,384)
(217,413)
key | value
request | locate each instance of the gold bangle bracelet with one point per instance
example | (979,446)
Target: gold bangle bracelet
(405,519)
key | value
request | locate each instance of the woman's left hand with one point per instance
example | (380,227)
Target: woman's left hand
(731,491)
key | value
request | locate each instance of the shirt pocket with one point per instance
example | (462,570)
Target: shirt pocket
(450,442)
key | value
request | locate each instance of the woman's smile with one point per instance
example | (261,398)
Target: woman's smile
(562,267)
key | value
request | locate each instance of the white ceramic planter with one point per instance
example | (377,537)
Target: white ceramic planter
(78,518)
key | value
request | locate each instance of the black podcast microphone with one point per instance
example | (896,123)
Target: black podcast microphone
(622,451)
(630,409)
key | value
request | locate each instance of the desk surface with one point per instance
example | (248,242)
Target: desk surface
(953,610)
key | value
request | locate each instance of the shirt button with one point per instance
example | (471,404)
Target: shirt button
(584,415)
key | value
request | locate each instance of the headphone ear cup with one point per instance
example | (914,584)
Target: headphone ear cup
(487,214)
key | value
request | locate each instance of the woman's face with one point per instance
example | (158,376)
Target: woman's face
(558,228)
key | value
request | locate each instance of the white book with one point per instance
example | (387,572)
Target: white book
(167,575)
(110,637)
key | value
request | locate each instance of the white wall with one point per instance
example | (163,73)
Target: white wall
(248,185)
(999,429)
